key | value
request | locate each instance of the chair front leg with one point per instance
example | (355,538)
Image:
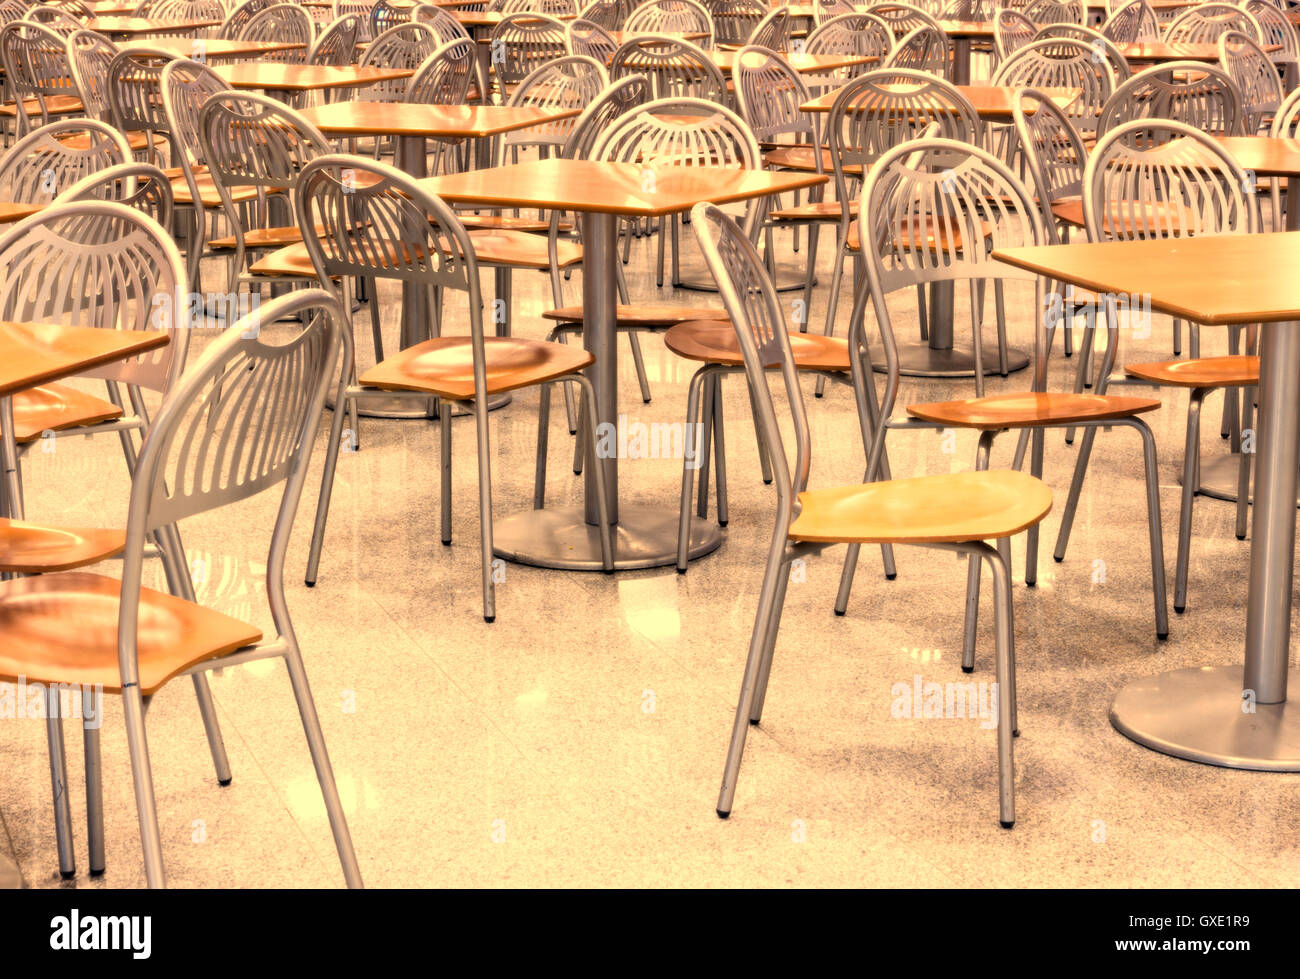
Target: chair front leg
(134,707)
(59,783)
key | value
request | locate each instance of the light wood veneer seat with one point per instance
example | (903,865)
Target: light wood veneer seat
(1026,409)
(55,407)
(445,366)
(1203,372)
(55,105)
(1120,215)
(27,548)
(716,343)
(652,316)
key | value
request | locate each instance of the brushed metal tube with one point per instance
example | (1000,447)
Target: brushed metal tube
(599,336)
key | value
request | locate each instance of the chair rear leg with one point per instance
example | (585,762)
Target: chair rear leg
(690,456)
(134,707)
(719,454)
(769,647)
(1243,473)
(92,713)
(1076,485)
(1192,443)
(543,435)
(342,402)
(1152,473)
(444,452)
(59,784)
(638,361)
(1004,627)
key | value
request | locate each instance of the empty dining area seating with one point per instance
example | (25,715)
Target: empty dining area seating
(648,443)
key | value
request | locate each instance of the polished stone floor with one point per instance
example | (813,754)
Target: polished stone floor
(579,740)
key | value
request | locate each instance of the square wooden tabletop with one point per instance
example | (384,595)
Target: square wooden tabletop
(305,78)
(612,188)
(1265,156)
(799,61)
(967,28)
(419,119)
(38,353)
(990,101)
(206,49)
(1156,51)
(483,18)
(147,25)
(1215,280)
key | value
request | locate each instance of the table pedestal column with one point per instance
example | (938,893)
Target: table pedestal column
(940,356)
(1224,715)
(567,537)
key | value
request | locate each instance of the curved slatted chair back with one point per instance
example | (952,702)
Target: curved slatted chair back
(855,33)
(586,37)
(608,14)
(447,27)
(672,16)
(89,55)
(282,22)
(1043,12)
(1063,63)
(49,160)
(774,31)
(969,10)
(550,8)
(137,185)
(1156,178)
(36,67)
(1207,22)
(1256,77)
(134,88)
(239,16)
(903,18)
(55,19)
(618,98)
(734,20)
(1012,30)
(1276,28)
(1053,150)
(1201,95)
(337,43)
(1132,23)
(1102,46)
(103,265)
(403,46)
(769,93)
(361,8)
(385,15)
(522,43)
(675,69)
(567,83)
(924,49)
(446,76)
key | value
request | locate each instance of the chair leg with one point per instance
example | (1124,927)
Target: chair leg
(324,772)
(543,423)
(134,707)
(1076,485)
(484,505)
(638,361)
(1152,473)
(341,401)
(1178,337)
(1190,447)
(1036,440)
(973,570)
(377,337)
(764,459)
(444,460)
(764,621)
(691,453)
(1004,630)
(719,455)
(1243,475)
(769,647)
(602,505)
(92,706)
(1000,308)
(706,412)
(923,312)
(59,783)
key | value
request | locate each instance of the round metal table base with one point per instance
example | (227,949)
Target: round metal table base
(1219,478)
(919,359)
(697,279)
(404,408)
(645,537)
(1197,714)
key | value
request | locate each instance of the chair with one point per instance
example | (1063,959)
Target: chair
(1062,63)
(1207,22)
(405,46)
(1132,23)
(137,185)
(925,49)
(1286,124)
(1277,29)
(35,59)
(852,33)
(48,160)
(89,55)
(446,76)
(907,511)
(54,19)
(252,143)
(825,10)
(1256,77)
(387,227)
(447,27)
(675,69)
(233,26)
(607,14)
(546,7)
(969,10)
(1055,12)
(337,43)
(671,16)
(360,9)
(734,20)
(1181,183)
(133,86)
(282,22)
(773,31)
(1012,30)
(1098,41)
(962,194)
(1201,95)
(522,43)
(185,10)
(902,18)
(587,38)
(270,398)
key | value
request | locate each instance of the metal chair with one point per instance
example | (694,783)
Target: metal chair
(607,14)
(734,20)
(48,160)
(672,16)
(386,226)
(405,46)
(587,38)
(337,43)
(133,87)
(232,27)
(1063,63)
(675,69)
(1101,45)
(360,9)
(269,398)
(1055,12)
(1012,30)
(1132,23)
(521,43)
(1201,95)
(137,185)
(547,7)
(89,55)
(774,31)
(807,521)
(969,10)
(385,16)
(1181,183)
(446,76)
(902,18)
(282,22)
(1256,77)
(1207,22)
(1276,28)
(38,75)
(1286,124)
(447,27)
(825,10)
(55,19)
(965,194)
(925,49)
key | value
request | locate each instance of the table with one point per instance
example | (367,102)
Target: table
(939,356)
(1154,52)
(214,49)
(131,26)
(622,37)
(804,64)
(32,354)
(11,212)
(963,33)
(411,124)
(1221,715)
(645,536)
(280,81)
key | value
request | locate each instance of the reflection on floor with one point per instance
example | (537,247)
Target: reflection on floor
(580,738)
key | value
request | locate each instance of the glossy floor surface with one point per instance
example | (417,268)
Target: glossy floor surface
(579,740)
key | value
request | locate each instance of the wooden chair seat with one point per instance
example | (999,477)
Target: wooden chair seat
(506,223)
(520,250)
(967,506)
(55,105)
(799,158)
(445,366)
(208,195)
(647,317)
(934,233)
(831,211)
(716,343)
(27,548)
(264,238)
(1203,372)
(62,628)
(54,407)
(135,139)
(1119,214)
(1027,409)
